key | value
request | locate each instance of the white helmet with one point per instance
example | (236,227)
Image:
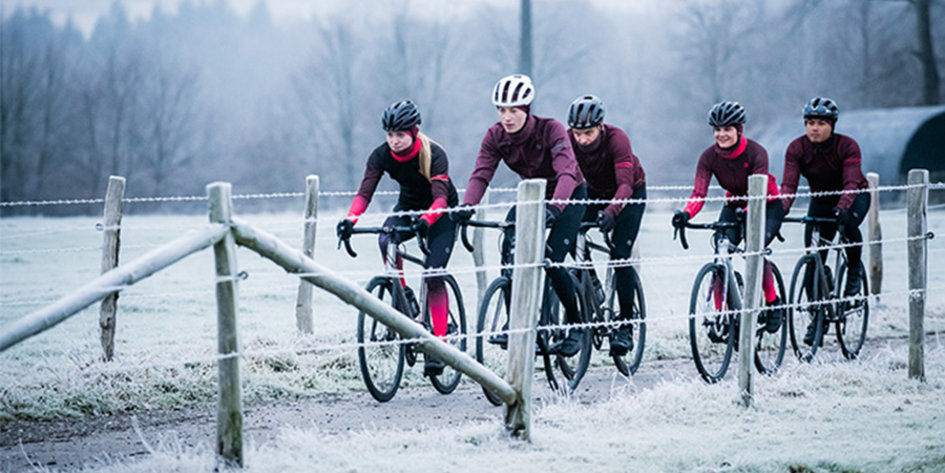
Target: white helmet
(513,91)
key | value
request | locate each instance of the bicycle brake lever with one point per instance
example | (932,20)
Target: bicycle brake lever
(469,247)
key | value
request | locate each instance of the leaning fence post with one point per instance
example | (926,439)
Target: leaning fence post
(111,230)
(478,255)
(875,236)
(229,408)
(916,202)
(526,289)
(303,306)
(754,268)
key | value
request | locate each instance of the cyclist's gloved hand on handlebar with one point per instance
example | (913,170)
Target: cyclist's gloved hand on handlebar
(605,221)
(464,213)
(552,212)
(344,229)
(421,227)
(680,218)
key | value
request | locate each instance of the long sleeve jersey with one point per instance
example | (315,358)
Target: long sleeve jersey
(829,166)
(416,191)
(731,168)
(540,150)
(610,167)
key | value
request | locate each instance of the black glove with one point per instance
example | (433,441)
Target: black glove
(843,216)
(551,214)
(464,213)
(680,218)
(605,221)
(344,229)
(421,227)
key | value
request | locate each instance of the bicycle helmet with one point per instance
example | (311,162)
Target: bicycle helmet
(400,116)
(586,112)
(513,91)
(726,114)
(822,107)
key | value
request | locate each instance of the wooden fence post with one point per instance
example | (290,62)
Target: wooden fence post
(875,236)
(526,294)
(754,268)
(111,230)
(479,256)
(303,306)
(916,207)
(229,408)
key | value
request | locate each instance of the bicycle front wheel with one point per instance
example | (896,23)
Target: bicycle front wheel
(806,313)
(491,345)
(628,363)
(711,327)
(770,346)
(447,381)
(853,317)
(380,353)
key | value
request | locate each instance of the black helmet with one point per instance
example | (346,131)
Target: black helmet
(822,107)
(586,112)
(726,114)
(400,116)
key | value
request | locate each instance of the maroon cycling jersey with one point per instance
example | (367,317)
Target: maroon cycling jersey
(416,191)
(540,150)
(610,167)
(829,166)
(731,167)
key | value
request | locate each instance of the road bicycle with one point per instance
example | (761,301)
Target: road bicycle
(491,339)
(817,297)
(382,352)
(603,306)
(715,309)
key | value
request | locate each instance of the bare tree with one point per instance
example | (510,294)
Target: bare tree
(931,79)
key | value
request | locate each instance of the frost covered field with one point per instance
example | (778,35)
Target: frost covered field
(835,416)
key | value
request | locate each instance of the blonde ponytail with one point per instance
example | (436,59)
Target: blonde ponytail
(425,154)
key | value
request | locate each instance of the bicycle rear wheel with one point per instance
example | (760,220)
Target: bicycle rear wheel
(806,290)
(711,331)
(574,367)
(491,347)
(628,363)
(447,381)
(853,317)
(770,346)
(380,356)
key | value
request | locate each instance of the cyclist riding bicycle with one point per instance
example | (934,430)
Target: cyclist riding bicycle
(535,147)
(420,166)
(830,162)
(613,172)
(732,159)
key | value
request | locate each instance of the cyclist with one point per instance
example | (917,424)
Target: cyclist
(535,147)
(830,162)
(732,159)
(420,166)
(613,172)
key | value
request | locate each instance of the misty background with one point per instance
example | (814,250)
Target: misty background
(202,92)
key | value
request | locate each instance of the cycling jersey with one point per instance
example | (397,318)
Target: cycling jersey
(731,167)
(829,166)
(540,150)
(416,191)
(610,167)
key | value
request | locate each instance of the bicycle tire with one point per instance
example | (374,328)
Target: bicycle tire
(851,335)
(571,368)
(804,307)
(628,363)
(382,366)
(449,379)
(770,347)
(711,335)
(493,317)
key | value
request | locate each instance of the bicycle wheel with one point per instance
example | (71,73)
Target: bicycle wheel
(494,317)
(806,290)
(629,362)
(382,365)
(770,346)
(853,317)
(711,331)
(447,381)
(574,367)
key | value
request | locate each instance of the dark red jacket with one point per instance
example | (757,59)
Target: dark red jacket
(540,150)
(829,166)
(610,167)
(731,168)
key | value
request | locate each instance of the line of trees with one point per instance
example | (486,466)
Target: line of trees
(202,94)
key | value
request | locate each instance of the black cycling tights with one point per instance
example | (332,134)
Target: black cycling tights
(824,208)
(440,240)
